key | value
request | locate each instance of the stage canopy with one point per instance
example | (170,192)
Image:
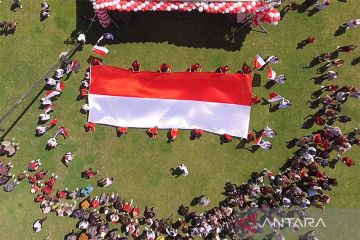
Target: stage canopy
(214,102)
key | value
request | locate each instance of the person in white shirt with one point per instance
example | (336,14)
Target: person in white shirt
(272,59)
(184,169)
(51,82)
(81,39)
(38,225)
(280,79)
(45,101)
(352,24)
(106,182)
(40,130)
(265,145)
(270,133)
(342,96)
(83,225)
(331,75)
(44,117)
(284,104)
(322,5)
(52,143)
(85,108)
(59,73)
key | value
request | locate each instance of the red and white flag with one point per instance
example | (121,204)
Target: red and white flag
(218,103)
(274,97)
(103,51)
(49,108)
(258,140)
(271,73)
(60,86)
(52,93)
(258,62)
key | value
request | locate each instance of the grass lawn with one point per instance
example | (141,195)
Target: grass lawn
(141,165)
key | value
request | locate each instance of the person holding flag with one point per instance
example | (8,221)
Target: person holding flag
(40,130)
(274,97)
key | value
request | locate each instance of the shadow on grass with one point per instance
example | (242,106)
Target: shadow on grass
(186,29)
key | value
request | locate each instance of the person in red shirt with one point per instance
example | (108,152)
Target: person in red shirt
(41,174)
(89,126)
(152,132)
(226,138)
(95,61)
(348,161)
(255,100)
(89,173)
(174,133)
(46,190)
(122,131)
(310,40)
(165,68)
(135,66)
(196,67)
(318,120)
(196,133)
(84,92)
(223,69)
(51,181)
(250,137)
(61,194)
(246,69)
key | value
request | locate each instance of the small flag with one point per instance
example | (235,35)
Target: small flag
(258,62)
(103,51)
(60,86)
(271,73)
(52,93)
(274,97)
(49,108)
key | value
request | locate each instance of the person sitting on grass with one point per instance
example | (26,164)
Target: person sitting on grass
(8,26)
(223,69)
(195,67)
(105,182)
(135,66)
(165,68)
(67,158)
(44,10)
(196,133)
(52,143)
(122,130)
(183,169)
(89,173)
(89,126)
(152,132)
(174,133)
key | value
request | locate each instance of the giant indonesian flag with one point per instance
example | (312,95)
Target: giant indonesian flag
(214,102)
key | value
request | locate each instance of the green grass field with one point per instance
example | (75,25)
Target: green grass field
(141,165)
